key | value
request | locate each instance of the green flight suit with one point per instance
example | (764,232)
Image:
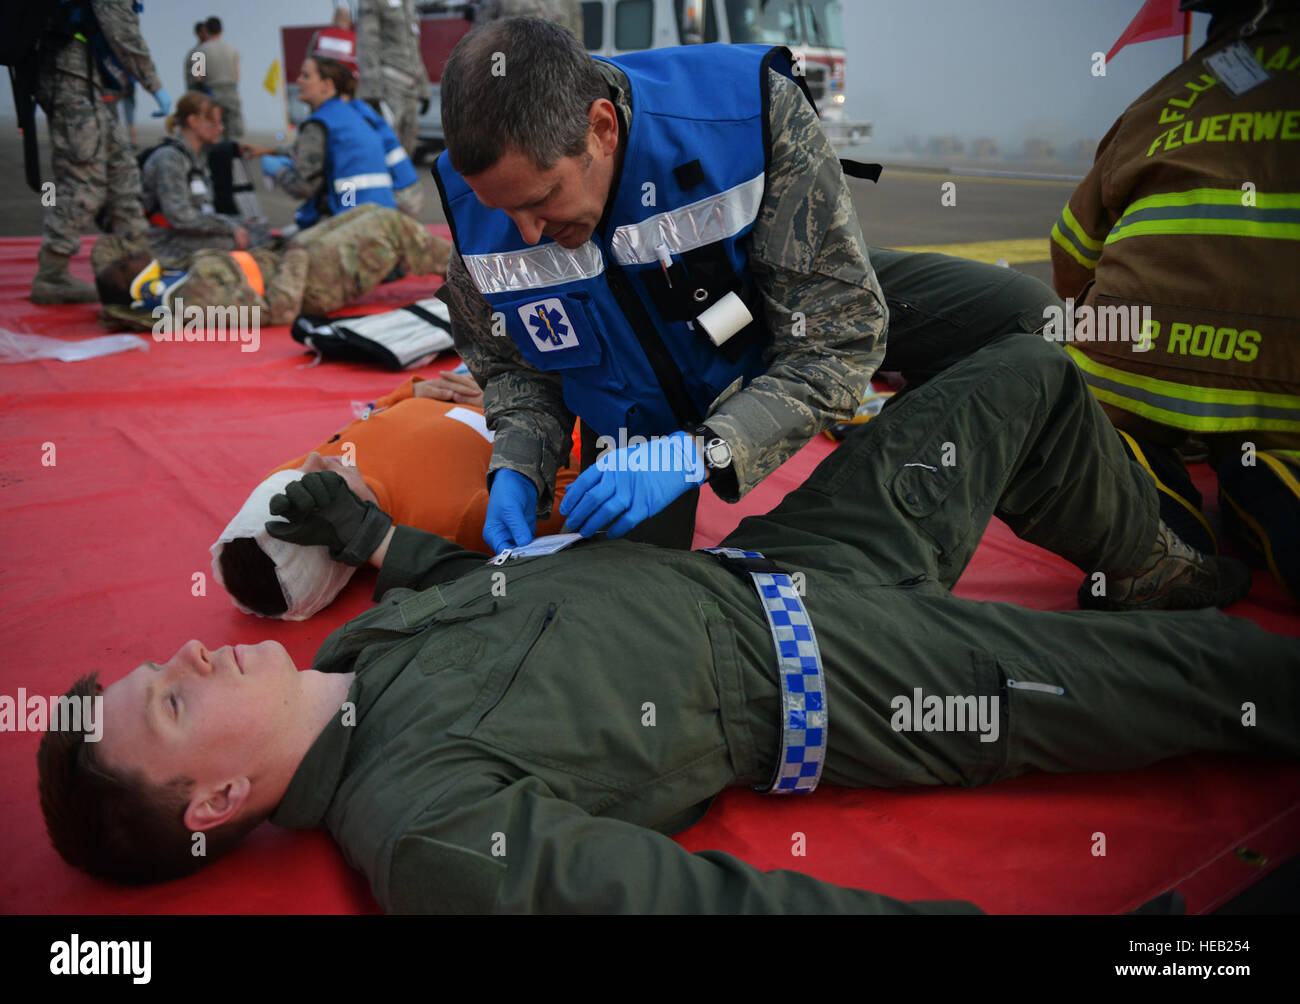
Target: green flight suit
(501,759)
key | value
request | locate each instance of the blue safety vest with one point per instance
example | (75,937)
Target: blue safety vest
(355,170)
(395,155)
(605,316)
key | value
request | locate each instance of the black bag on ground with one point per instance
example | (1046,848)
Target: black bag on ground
(400,339)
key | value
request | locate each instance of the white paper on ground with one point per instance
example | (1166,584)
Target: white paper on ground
(20,348)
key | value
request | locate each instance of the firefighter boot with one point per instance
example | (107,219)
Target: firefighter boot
(53,283)
(1172,576)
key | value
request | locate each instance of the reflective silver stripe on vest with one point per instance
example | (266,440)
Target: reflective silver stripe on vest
(533,268)
(395,156)
(357,182)
(689,227)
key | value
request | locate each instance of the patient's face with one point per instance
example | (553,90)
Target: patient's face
(349,473)
(204,714)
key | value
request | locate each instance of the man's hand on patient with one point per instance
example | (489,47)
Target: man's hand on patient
(511,512)
(629,485)
(321,509)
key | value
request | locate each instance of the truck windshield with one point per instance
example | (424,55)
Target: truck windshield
(786,22)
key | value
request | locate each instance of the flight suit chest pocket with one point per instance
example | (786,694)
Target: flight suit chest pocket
(503,670)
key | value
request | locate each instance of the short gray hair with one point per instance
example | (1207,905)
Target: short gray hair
(521,83)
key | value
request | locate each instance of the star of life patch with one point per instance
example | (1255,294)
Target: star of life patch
(548,325)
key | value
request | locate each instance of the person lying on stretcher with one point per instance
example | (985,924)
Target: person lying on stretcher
(320,270)
(420,454)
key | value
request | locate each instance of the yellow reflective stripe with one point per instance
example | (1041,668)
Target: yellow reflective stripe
(1205,409)
(1161,486)
(1216,197)
(1265,544)
(1068,218)
(1212,211)
(1064,243)
(1220,228)
(1283,473)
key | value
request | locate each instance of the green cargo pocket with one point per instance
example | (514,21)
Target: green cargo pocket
(502,674)
(430,877)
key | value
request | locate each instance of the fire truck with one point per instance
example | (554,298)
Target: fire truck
(810,28)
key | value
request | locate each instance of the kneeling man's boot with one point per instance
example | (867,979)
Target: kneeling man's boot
(53,283)
(1173,576)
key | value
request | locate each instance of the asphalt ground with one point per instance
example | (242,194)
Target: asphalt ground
(993,217)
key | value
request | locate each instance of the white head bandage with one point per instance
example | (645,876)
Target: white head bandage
(309,578)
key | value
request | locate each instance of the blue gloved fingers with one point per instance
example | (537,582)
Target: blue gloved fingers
(579,487)
(585,515)
(164,102)
(496,538)
(512,511)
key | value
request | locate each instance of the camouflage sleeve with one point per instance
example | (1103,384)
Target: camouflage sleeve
(1079,234)
(165,183)
(820,297)
(524,406)
(283,296)
(371,85)
(305,176)
(121,27)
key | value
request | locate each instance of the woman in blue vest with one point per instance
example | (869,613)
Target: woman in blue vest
(338,160)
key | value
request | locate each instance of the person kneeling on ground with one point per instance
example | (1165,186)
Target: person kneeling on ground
(178,191)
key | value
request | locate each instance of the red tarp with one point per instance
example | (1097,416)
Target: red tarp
(155,451)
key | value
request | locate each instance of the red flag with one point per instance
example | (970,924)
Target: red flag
(1156,19)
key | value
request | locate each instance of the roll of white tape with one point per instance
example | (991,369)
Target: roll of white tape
(724,318)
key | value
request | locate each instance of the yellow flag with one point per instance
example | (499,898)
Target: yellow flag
(272,81)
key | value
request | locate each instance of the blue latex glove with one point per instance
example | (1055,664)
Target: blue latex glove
(273,164)
(164,102)
(511,512)
(631,484)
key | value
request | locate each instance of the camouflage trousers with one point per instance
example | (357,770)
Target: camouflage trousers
(95,173)
(232,111)
(406,116)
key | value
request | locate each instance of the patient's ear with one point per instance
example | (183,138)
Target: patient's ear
(215,806)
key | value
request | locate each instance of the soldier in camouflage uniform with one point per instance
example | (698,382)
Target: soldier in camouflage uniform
(338,260)
(95,173)
(392,70)
(221,77)
(178,191)
(566,13)
(821,301)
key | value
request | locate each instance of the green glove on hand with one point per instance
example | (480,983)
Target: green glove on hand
(321,509)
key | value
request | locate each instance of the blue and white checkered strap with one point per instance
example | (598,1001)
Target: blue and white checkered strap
(803,684)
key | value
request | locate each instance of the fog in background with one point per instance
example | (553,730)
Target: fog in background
(918,70)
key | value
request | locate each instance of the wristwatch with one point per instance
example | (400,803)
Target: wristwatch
(716,452)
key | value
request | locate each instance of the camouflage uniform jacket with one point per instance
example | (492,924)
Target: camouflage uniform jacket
(821,302)
(121,29)
(388,51)
(169,184)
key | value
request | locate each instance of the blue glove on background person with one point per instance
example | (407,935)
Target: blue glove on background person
(511,512)
(164,102)
(273,164)
(631,484)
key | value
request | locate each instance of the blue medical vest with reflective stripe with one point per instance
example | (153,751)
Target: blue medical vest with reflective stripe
(395,155)
(690,189)
(355,170)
